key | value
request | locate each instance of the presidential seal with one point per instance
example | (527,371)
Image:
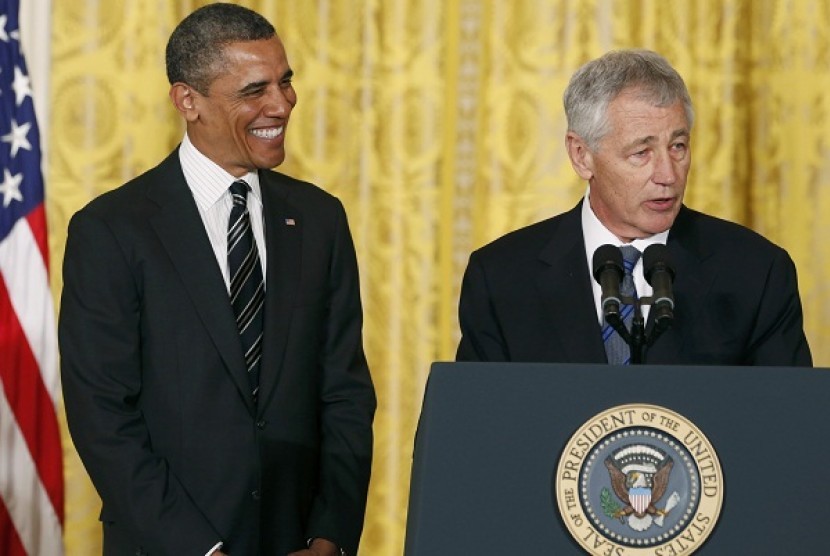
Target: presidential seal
(639,479)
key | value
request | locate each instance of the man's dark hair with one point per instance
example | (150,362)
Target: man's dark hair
(195,51)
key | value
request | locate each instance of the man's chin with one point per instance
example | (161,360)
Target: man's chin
(648,228)
(659,227)
(268,162)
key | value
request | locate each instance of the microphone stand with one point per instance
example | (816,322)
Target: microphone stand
(637,340)
(638,335)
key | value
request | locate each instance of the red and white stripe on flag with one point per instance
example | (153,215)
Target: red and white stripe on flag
(31,470)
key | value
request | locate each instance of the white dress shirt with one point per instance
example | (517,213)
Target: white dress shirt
(210,185)
(596,234)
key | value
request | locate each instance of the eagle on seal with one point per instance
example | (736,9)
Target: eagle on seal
(639,477)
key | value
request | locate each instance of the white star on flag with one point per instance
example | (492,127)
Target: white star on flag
(17,137)
(21,85)
(3,35)
(10,188)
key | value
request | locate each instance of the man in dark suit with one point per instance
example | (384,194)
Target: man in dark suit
(198,440)
(530,295)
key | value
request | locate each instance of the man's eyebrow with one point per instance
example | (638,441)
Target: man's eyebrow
(682,132)
(640,141)
(251,87)
(648,139)
(258,85)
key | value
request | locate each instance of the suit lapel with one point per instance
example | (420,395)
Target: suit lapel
(691,286)
(283,240)
(565,288)
(182,233)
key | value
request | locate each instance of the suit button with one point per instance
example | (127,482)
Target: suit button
(261,424)
(255,495)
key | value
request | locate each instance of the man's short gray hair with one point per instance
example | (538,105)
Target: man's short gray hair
(600,81)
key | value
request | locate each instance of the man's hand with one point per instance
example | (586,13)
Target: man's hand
(319,547)
(218,553)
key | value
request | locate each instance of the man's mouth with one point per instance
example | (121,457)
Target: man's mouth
(268,132)
(663,203)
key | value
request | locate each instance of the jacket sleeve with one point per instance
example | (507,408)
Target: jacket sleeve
(778,337)
(347,404)
(100,343)
(481,336)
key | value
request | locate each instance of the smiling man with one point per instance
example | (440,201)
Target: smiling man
(214,378)
(530,295)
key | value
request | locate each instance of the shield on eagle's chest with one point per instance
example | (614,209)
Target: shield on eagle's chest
(639,498)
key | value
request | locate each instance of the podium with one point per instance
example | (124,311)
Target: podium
(492,436)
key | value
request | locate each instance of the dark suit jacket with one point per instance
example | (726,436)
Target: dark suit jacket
(156,391)
(527,297)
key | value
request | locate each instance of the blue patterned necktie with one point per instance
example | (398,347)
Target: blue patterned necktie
(616,348)
(247,290)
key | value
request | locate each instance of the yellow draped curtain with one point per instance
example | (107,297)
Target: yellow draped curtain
(439,124)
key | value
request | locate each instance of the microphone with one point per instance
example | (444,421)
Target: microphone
(659,273)
(608,271)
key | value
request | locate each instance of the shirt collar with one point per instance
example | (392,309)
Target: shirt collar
(596,234)
(207,180)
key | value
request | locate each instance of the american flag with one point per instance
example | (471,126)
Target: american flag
(31,472)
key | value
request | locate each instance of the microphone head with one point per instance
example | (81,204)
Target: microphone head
(656,257)
(605,256)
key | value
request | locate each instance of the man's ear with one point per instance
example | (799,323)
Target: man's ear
(582,159)
(184,99)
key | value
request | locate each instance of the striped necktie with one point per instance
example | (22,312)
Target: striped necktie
(616,348)
(247,290)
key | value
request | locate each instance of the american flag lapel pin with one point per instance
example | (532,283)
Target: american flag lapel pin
(290,222)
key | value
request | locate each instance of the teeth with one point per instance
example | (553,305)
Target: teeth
(269,133)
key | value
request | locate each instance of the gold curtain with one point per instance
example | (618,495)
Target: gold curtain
(440,126)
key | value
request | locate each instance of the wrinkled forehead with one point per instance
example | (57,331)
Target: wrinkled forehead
(248,57)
